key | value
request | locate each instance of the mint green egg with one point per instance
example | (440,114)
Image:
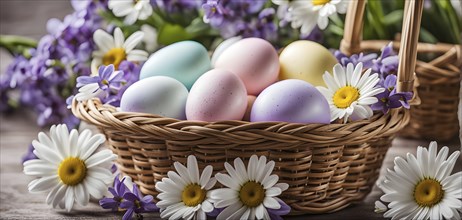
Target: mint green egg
(184,61)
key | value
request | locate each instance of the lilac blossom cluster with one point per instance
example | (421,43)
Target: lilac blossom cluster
(45,76)
(108,85)
(130,201)
(246,18)
(386,65)
(178,6)
(249,18)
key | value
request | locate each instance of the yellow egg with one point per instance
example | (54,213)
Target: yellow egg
(306,60)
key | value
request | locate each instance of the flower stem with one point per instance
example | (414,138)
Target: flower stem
(16,44)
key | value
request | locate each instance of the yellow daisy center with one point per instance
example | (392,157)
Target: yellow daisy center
(345,96)
(319,2)
(193,195)
(252,194)
(72,171)
(114,56)
(428,192)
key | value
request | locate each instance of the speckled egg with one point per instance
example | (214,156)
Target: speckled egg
(306,60)
(293,101)
(160,95)
(217,95)
(184,61)
(254,60)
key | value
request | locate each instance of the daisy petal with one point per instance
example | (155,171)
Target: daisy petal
(269,181)
(103,40)
(43,184)
(271,203)
(205,176)
(81,195)
(207,206)
(227,181)
(228,211)
(273,191)
(133,40)
(69,201)
(99,158)
(193,169)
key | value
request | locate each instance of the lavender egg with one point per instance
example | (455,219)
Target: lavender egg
(293,101)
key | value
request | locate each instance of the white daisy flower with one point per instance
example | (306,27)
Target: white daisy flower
(114,50)
(68,167)
(422,188)
(308,14)
(349,93)
(186,195)
(250,192)
(133,9)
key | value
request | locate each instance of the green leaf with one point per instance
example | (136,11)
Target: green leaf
(393,17)
(197,27)
(155,20)
(426,36)
(172,33)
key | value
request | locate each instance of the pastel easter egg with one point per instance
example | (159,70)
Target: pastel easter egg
(223,46)
(184,61)
(250,101)
(217,95)
(254,60)
(293,101)
(160,95)
(306,60)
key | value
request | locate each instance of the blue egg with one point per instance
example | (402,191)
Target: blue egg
(184,61)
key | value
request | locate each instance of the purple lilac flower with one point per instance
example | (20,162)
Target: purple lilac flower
(29,154)
(113,168)
(367,60)
(246,18)
(275,214)
(79,5)
(213,12)
(266,27)
(110,82)
(389,65)
(118,192)
(135,204)
(390,98)
(131,75)
(176,6)
(47,77)
(386,63)
(107,78)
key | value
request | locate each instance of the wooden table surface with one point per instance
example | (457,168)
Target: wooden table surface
(28,18)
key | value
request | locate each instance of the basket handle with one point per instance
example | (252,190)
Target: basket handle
(351,42)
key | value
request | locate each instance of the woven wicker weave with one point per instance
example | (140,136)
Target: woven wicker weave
(435,118)
(327,167)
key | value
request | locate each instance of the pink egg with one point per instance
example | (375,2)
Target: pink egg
(216,96)
(254,60)
(250,101)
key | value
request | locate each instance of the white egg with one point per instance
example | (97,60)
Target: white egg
(160,95)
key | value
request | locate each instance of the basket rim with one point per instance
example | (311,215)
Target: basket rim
(139,125)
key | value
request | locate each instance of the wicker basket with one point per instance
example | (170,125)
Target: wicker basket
(435,118)
(327,167)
